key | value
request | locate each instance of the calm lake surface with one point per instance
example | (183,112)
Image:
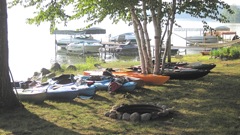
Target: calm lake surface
(33,47)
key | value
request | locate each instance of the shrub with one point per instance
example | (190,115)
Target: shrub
(215,53)
(227,52)
(234,52)
(224,52)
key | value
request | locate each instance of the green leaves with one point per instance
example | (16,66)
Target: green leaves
(227,52)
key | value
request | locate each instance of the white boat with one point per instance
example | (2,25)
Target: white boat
(83,47)
(83,38)
(202,39)
(36,94)
(31,95)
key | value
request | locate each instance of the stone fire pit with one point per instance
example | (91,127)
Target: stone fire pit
(138,112)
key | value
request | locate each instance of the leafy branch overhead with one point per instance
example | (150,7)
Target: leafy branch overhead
(95,11)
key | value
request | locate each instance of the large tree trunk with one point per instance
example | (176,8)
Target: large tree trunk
(8,99)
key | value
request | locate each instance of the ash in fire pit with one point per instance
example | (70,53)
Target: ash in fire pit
(138,112)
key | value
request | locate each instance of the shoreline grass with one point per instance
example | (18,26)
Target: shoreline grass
(208,105)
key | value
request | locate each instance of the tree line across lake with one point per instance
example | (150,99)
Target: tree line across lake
(233,18)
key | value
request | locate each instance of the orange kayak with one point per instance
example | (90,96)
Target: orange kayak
(148,78)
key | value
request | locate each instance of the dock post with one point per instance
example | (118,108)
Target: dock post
(55,49)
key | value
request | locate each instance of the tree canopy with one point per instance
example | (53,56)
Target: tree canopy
(95,11)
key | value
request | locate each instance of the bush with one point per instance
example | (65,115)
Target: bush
(227,52)
(214,53)
(234,52)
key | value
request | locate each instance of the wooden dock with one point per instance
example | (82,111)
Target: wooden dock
(109,46)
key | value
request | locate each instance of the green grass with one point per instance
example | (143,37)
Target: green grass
(208,105)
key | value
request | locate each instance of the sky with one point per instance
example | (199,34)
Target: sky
(232,2)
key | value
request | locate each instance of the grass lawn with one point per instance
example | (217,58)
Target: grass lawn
(205,106)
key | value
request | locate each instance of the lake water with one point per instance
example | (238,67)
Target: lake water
(32,47)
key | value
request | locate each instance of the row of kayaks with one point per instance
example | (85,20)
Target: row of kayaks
(68,87)
(184,71)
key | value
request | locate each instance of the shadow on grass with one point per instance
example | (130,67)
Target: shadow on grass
(98,97)
(23,122)
(207,104)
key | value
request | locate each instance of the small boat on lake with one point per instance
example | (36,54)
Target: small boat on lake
(83,38)
(83,47)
